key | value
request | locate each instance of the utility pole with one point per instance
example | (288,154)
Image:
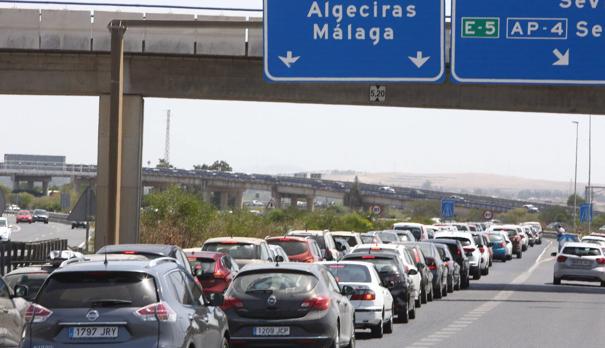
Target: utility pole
(575,185)
(589,198)
(167,144)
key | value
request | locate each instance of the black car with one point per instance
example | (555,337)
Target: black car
(148,303)
(437,266)
(459,256)
(453,268)
(12,313)
(79,224)
(289,305)
(40,215)
(151,251)
(392,273)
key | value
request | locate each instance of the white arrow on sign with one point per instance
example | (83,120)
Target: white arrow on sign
(419,60)
(562,58)
(289,59)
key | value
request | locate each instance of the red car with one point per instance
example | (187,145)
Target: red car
(25,216)
(298,249)
(214,271)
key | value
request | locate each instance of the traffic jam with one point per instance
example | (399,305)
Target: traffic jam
(317,288)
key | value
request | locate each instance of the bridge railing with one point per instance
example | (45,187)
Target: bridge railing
(14,255)
(86,31)
(41,166)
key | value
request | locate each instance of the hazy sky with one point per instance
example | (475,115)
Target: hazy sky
(271,137)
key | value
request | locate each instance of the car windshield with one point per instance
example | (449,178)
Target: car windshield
(39,211)
(23,212)
(291,247)
(462,240)
(427,250)
(319,239)
(275,282)
(32,280)
(347,273)
(98,289)
(581,251)
(238,251)
(206,265)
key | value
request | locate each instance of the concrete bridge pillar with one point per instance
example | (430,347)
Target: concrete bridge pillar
(30,185)
(224,200)
(276,197)
(311,203)
(119,188)
(239,200)
(45,187)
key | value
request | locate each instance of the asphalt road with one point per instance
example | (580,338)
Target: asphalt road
(515,306)
(39,231)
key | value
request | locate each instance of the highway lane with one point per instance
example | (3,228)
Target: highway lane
(515,306)
(40,231)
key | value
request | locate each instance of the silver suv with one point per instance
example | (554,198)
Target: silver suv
(152,303)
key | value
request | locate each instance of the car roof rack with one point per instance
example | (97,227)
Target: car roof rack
(159,260)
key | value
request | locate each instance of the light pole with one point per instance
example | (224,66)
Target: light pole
(575,183)
(589,198)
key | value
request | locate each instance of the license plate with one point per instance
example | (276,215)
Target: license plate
(271,331)
(582,262)
(93,332)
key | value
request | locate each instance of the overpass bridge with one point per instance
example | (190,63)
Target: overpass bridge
(60,52)
(229,187)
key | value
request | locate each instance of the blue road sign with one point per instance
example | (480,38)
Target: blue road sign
(447,208)
(528,41)
(354,41)
(585,212)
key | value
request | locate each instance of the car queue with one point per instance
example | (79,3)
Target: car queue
(237,291)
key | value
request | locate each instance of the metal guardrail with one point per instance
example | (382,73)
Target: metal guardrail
(14,255)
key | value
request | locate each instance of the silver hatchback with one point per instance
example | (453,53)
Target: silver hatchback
(580,262)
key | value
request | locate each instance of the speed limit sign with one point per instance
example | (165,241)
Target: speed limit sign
(376,210)
(488,215)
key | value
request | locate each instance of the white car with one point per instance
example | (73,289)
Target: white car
(408,262)
(483,249)
(417,230)
(594,240)
(5,230)
(352,238)
(525,237)
(386,189)
(580,262)
(372,301)
(477,262)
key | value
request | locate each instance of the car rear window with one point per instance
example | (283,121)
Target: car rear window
(205,264)
(238,251)
(350,273)
(462,240)
(32,280)
(98,289)
(414,230)
(368,239)
(427,250)
(351,240)
(291,247)
(388,237)
(495,238)
(319,239)
(581,251)
(273,282)
(379,263)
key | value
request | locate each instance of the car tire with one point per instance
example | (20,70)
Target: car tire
(444,291)
(412,314)
(485,271)
(417,302)
(519,254)
(467,282)
(429,297)
(524,247)
(336,341)
(504,259)
(477,274)
(450,285)
(352,341)
(438,293)
(602,284)
(458,284)
(388,327)
(378,330)
(424,297)
(403,316)
(557,281)
(225,343)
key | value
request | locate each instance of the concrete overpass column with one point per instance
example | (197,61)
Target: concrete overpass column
(293,202)
(45,187)
(206,195)
(276,197)
(311,203)
(30,185)
(224,200)
(239,200)
(15,181)
(119,189)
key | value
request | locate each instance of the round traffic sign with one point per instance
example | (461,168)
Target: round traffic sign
(376,209)
(488,215)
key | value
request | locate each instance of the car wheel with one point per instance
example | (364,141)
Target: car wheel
(485,271)
(524,247)
(438,293)
(403,316)
(336,341)
(378,330)
(602,284)
(413,313)
(46,222)
(388,327)
(429,297)
(504,259)
(519,254)
(557,281)
(352,341)
(417,302)
(225,343)
(444,291)
(424,297)
(450,284)
(477,274)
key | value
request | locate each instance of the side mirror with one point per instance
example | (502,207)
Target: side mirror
(21,291)
(553,254)
(216,299)
(279,258)
(412,272)
(347,290)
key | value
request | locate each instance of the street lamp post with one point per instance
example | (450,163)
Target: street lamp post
(575,184)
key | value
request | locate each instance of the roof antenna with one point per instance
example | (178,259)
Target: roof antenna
(105,262)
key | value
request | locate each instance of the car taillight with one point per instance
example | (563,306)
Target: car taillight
(37,314)
(502,245)
(232,302)
(368,257)
(469,250)
(561,258)
(320,303)
(364,295)
(157,312)
(433,267)
(481,250)
(601,261)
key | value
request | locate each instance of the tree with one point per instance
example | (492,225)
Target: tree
(164,164)
(579,200)
(219,166)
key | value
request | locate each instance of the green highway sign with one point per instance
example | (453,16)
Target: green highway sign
(481,27)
